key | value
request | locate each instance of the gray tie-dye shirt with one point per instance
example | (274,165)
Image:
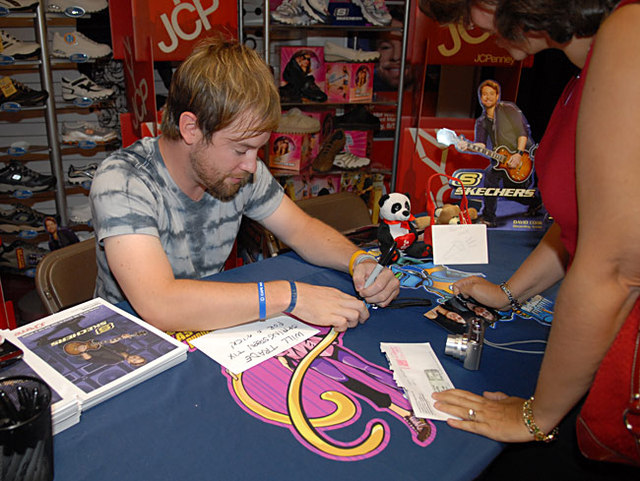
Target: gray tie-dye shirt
(133,193)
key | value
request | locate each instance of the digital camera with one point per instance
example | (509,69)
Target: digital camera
(467,347)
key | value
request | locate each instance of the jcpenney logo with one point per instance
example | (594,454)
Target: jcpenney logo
(181,24)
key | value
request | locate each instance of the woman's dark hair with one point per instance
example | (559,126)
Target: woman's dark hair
(561,19)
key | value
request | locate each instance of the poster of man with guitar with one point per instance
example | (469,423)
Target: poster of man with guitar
(502,133)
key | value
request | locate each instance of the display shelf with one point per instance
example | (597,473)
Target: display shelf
(274,32)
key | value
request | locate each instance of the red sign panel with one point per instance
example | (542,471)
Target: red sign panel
(455,45)
(174,26)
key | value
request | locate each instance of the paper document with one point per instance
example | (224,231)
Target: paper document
(241,347)
(417,370)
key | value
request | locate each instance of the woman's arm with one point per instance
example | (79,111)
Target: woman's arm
(604,279)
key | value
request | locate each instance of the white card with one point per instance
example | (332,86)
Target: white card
(241,347)
(460,244)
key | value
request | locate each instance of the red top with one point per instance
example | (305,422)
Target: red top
(556,158)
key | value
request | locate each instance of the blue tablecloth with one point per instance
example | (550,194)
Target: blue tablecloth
(184,424)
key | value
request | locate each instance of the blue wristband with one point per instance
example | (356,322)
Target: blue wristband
(262,300)
(294,297)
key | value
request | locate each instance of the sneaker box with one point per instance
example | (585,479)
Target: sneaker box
(304,186)
(316,66)
(346,13)
(289,151)
(358,142)
(349,82)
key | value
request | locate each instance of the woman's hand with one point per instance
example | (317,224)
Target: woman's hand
(493,415)
(483,291)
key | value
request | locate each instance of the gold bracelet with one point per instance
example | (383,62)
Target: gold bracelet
(538,434)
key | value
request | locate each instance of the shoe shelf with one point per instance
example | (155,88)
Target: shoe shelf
(300,34)
(38,153)
(39,237)
(20,20)
(42,196)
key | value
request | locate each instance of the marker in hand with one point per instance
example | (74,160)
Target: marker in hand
(383,261)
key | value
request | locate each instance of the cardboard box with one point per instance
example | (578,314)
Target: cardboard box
(309,59)
(349,82)
(288,151)
(358,142)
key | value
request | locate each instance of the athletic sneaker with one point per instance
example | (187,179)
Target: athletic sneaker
(316,9)
(290,12)
(73,132)
(21,218)
(295,122)
(18,49)
(76,8)
(83,88)
(328,151)
(25,96)
(75,43)
(19,5)
(80,175)
(349,161)
(80,214)
(375,11)
(335,53)
(21,255)
(17,176)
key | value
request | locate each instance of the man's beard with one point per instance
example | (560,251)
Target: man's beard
(214,181)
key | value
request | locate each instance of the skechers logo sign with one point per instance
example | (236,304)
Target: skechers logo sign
(176,30)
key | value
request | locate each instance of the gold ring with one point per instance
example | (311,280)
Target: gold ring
(472,414)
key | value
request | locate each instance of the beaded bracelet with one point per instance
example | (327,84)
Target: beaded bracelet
(294,297)
(515,305)
(357,257)
(262,301)
(538,434)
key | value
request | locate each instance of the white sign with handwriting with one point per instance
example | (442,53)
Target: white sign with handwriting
(460,244)
(241,347)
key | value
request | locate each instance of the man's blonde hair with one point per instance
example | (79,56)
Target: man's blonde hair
(221,82)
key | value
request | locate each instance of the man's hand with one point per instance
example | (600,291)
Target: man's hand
(327,306)
(385,288)
(515,161)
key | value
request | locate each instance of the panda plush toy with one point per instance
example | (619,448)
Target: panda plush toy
(396,224)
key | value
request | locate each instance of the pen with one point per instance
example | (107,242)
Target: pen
(383,261)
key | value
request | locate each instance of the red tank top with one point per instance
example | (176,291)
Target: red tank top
(556,158)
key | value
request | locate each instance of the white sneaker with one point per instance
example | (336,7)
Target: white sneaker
(350,161)
(83,88)
(80,175)
(375,11)
(75,43)
(76,8)
(316,9)
(17,49)
(290,12)
(73,132)
(294,121)
(335,53)
(19,5)
(80,214)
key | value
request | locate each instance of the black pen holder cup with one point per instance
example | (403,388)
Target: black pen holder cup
(26,440)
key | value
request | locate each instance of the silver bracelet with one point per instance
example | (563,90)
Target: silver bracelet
(363,257)
(515,305)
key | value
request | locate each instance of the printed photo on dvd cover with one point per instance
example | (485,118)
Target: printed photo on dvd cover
(96,347)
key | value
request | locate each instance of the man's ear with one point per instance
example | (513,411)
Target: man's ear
(189,129)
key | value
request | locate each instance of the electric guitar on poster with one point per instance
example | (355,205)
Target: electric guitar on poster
(502,155)
(75,348)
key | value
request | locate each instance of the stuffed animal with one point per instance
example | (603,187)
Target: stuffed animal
(396,224)
(447,214)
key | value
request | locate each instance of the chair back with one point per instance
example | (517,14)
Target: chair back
(344,211)
(67,276)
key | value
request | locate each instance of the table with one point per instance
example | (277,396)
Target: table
(184,424)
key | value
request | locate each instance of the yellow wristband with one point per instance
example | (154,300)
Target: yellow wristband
(354,256)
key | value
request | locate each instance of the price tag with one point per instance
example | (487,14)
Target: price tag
(7,87)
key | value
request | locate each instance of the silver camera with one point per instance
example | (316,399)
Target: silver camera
(467,347)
